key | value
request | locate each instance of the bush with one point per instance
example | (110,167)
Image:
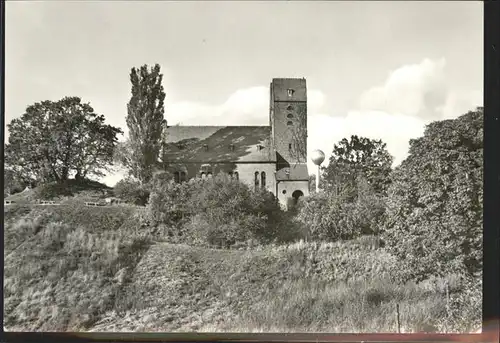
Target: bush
(435,205)
(132,192)
(327,217)
(366,214)
(53,190)
(218,211)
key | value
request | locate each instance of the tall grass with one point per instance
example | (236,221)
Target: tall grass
(79,268)
(65,276)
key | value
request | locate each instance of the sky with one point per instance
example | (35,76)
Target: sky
(382,70)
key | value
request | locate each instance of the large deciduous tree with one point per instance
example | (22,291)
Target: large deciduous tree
(55,140)
(435,204)
(145,121)
(355,159)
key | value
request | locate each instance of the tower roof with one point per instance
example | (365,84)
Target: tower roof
(212,144)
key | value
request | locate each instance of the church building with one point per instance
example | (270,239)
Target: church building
(272,157)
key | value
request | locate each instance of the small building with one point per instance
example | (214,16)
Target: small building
(273,157)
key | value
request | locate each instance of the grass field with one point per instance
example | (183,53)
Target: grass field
(77,268)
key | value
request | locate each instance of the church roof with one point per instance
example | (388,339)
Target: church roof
(219,144)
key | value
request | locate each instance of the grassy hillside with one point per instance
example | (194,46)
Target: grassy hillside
(80,268)
(300,287)
(86,191)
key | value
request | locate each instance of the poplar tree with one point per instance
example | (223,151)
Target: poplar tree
(145,121)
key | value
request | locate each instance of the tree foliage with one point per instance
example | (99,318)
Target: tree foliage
(132,192)
(326,216)
(216,211)
(435,207)
(53,140)
(11,184)
(145,121)
(357,158)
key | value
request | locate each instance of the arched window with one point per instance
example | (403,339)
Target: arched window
(263,179)
(289,116)
(231,174)
(236,176)
(289,123)
(256,180)
(177,177)
(183,177)
(205,169)
(289,108)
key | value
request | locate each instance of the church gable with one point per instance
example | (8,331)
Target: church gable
(213,144)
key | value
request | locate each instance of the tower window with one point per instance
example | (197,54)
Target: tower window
(289,108)
(263,179)
(290,92)
(290,146)
(289,123)
(177,177)
(256,180)
(236,176)
(289,116)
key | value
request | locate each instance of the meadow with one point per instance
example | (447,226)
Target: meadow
(79,268)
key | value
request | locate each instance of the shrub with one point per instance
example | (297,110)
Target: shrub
(17,231)
(218,211)
(327,217)
(168,202)
(366,214)
(132,192)
(53,190)
(435,204)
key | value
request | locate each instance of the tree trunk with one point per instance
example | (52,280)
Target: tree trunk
(64,174)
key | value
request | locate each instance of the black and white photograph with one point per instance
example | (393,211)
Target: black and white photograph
(243,166)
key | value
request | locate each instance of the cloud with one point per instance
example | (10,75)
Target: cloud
(460,102)
(413,90)
(395,130)
(249,106)
(411,97)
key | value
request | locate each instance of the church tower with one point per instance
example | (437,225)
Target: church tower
(288,116)
(288,120)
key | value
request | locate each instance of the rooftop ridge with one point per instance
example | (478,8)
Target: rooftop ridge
(289,78)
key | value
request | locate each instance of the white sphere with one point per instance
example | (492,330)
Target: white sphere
(317,156)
